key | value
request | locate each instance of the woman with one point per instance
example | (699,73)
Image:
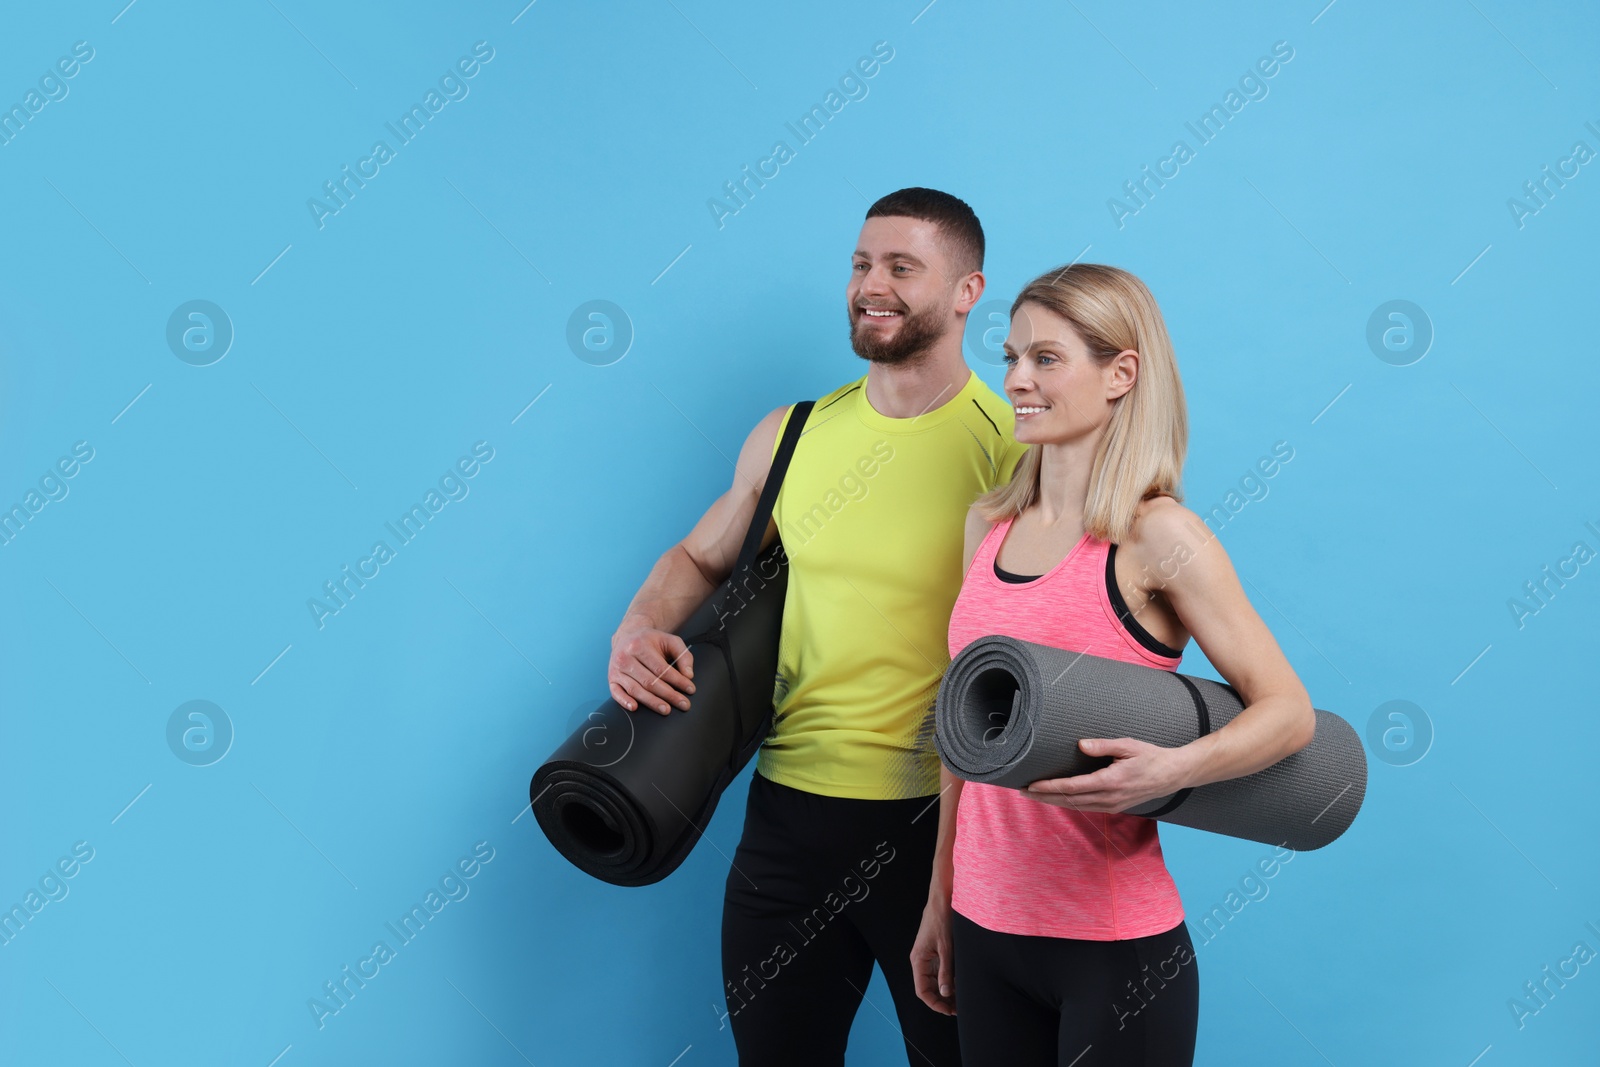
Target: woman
(1053,915)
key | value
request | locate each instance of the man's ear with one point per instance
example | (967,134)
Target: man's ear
(969,290)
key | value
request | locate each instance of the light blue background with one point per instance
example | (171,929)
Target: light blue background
(428,314)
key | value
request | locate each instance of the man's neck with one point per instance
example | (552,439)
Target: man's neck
(906,390)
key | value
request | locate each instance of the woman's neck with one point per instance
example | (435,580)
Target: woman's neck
(1064,468)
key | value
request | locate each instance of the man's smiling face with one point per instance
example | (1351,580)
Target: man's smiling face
(901,296)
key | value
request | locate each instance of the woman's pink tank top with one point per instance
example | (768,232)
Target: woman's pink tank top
(1026,867)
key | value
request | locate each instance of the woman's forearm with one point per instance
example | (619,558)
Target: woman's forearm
(1260,735)
(944,848)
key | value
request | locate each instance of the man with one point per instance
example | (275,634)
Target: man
(833,868)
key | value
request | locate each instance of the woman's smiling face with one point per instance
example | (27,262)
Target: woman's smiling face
(1058,391)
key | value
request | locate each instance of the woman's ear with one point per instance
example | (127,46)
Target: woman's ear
(1124,367)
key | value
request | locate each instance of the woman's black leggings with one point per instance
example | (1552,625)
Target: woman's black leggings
(1053,1002)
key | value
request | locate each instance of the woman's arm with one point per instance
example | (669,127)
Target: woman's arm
(931,961)
(944,851)
(1277,718)
(949,784)
(933,971)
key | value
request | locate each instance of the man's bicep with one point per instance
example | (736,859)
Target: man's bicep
(713,544)
(715,541)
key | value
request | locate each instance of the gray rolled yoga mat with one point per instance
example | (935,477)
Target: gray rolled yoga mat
(1011,712)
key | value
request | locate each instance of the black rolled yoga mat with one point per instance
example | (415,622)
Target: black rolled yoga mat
(627,795)
(1011,712)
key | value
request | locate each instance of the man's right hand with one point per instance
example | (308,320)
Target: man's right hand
(651,668)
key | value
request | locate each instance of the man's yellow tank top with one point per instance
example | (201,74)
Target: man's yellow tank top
(871,514)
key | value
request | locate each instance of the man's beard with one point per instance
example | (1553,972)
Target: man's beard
(917,333)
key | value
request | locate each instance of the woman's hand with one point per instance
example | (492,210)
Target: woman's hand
(1140,772)
(932,963)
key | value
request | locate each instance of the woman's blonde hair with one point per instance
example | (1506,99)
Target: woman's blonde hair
(1142,448)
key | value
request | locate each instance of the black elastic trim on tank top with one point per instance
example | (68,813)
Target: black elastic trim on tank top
(1120,606)
(838,398)
(1006,576)
(1202,716)
(985,415)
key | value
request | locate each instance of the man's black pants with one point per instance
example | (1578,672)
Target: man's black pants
(820,887)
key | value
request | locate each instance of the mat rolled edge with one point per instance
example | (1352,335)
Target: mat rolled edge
(669,783)
(565,790)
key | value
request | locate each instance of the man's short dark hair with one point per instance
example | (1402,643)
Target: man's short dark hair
(956,221)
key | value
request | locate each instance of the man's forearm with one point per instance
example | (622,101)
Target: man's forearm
(674,588)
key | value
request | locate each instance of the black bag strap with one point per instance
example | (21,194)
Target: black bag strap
(769,492)
(1202,715)
(747,555)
